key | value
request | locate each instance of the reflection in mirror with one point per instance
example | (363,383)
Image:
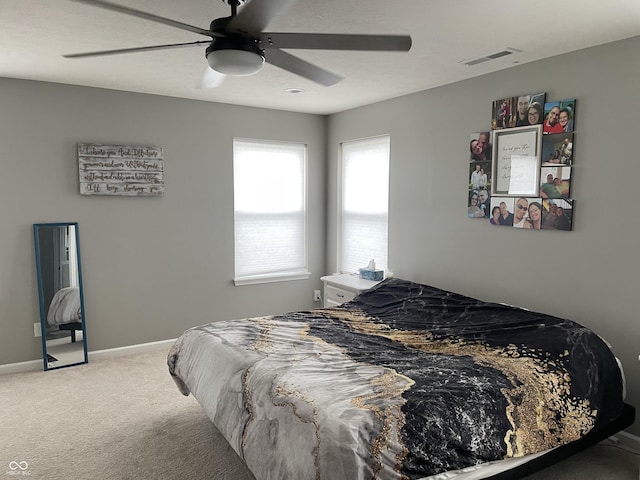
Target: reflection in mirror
(64,340)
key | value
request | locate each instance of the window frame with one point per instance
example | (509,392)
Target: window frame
(285,274)
(340,206)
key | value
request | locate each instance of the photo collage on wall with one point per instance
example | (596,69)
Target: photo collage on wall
(520,171)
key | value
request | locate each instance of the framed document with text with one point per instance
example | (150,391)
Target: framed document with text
(516,161)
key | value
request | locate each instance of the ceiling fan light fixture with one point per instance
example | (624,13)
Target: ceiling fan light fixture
(234,57)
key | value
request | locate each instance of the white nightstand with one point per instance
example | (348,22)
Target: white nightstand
(342,287)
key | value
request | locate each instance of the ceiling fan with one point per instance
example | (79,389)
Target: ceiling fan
(238,46)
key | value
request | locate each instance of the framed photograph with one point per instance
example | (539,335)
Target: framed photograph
(480,176)
(567,114)
(478,203)
(529,110)
(520,111)
(557,149)
(516,161)
(502,112)
(557,214)
(559,116)
(480,147)
(527,213)
(555,182)
(502,211)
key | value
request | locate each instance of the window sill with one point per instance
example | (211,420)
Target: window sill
(271,278)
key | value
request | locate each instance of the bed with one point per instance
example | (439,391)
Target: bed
(65,312)
(406,381)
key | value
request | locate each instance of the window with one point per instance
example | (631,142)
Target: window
(269,211)
(364,204)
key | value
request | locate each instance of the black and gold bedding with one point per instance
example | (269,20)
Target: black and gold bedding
(405,381)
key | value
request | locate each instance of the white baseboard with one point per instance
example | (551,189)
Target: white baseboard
(35,365)
(21,367)
(119,351)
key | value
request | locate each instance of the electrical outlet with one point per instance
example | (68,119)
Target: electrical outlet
(316,295)
(37,330)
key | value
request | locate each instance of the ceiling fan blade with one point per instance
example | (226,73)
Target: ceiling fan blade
(256,15)
(301,67)
(103,53)
(331,41)
(210,79)
(146,15)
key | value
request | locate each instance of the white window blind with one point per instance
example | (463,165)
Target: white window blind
(269,211)
(365,203)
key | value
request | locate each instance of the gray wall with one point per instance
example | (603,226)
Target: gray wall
(590,275)
(152,267)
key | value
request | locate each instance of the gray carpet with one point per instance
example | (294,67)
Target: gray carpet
(123,418)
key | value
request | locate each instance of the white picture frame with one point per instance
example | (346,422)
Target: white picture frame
(516,161)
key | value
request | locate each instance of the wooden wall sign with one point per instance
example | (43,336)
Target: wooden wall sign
(120,170)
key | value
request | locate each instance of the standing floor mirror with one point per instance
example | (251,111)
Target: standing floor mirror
(59,273)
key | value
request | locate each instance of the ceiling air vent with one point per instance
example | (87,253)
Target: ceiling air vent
(491,56)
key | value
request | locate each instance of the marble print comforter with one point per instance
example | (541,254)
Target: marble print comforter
(403,382)
(65,307)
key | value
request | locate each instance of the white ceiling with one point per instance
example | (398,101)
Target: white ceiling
(35,33)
